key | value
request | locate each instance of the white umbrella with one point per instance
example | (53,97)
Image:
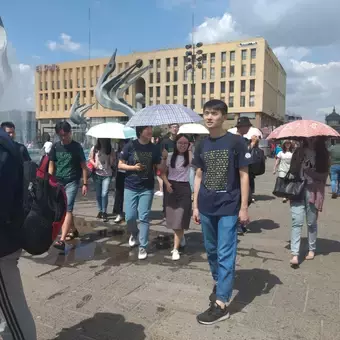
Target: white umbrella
(253,131)
(164,114)
(112,131)
(193,129)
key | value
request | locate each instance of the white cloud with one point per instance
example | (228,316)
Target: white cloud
(66,44)
(300,32)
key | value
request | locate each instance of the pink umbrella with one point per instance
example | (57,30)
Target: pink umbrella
(303,129)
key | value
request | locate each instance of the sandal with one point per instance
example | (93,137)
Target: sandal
(310,256)
(72,235)
(59,245)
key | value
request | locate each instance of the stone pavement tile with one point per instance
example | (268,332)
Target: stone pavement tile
(283,322)
(174,295)
(292,297)
(323,304)
(183,326)
(44,332)
(31,268)
(330,330)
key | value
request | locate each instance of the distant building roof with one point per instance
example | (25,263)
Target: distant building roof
(333,116)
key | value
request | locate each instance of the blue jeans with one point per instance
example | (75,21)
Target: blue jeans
(71,190)
(102,184)
(220,241)
(335,178)
(301,210)
(137,204)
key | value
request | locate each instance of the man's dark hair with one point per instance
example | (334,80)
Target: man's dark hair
(139,130)
(63,126)
(8,125)
(217,105)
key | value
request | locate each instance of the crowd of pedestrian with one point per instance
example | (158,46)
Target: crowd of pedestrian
(210,180)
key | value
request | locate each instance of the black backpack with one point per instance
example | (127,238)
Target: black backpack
(258,165)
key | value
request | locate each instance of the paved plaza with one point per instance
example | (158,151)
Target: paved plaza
(99,290)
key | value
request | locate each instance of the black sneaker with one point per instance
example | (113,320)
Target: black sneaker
(105,217)
(100,215)
(212,296)
(334,196)
(213,314)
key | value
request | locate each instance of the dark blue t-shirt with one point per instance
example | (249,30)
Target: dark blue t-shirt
(146,154)
(220,160)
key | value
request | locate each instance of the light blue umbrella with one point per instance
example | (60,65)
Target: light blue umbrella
(158,115)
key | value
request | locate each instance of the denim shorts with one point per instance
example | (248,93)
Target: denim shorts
(71,190)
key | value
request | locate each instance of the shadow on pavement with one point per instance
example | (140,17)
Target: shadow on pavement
(251,283)
(256,227)
(103,326)
(264,197)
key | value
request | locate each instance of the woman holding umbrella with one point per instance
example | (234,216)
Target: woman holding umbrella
(310,162)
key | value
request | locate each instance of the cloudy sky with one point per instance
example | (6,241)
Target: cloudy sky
(305,35)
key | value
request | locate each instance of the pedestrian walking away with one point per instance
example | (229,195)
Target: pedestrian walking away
(220,197)
(16,321)
(178,192)
(334,152)
(138,159)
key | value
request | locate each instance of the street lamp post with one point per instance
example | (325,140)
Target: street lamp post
(194,59)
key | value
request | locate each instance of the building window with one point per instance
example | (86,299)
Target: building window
(224,56)
(71,84)
(231,101)
(84,94)
(185,102)
(251,101)
(223,86)
(65,107)
(150,101)
(193,89)
(151,63)
(222,97)
(92,93)
(150,92)
(167,101)
(185,89)
(231,87)
(65,95)
(243,86)
(46,96)
(212,88)
(212,58)
(52,84)
(158,91)
(41,86)
(204,59)
(232,71)
(58,107)
(58,95)
(223,72)
(243,101)
(175,90)
(158,102)
(167,91)
(185,75)
(243,70)
(253,53)
(168,77)
(175,101)
(244,54)
(151,78)
(167,62)
(78,83)
(175,76)
(232,55)
(212,73)
(84,83)
(158,63)
(202,102)
(252,85)
(127,91)
(253,70)
(175,61)
(204,88)
(41,108)
(158,77)
(204,73)
(58,84)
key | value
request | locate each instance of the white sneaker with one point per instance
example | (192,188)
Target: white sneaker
(160,194)
(183,242)
(175,255)
(118,219)
(133,241)
(142,255)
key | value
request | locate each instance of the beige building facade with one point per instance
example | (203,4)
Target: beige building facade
(245,74)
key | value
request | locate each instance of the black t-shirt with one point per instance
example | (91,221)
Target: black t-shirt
(68,159)
(146,154)
(168,144)
(220,160)
(23,152)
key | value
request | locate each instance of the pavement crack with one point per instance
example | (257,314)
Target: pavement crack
(306,299)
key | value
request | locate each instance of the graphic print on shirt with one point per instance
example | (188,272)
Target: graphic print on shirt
(144,158)
(64,164)
(217,164)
